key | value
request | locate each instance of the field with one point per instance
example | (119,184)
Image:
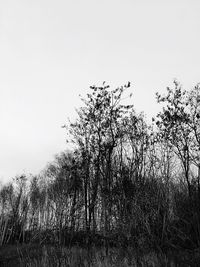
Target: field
(47,256)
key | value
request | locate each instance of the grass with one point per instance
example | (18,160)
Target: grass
(50,256)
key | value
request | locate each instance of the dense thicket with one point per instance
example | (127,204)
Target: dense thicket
(124,182)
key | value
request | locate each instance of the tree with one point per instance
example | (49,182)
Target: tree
(96,133)
(173,124)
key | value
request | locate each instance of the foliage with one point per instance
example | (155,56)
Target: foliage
(125,184)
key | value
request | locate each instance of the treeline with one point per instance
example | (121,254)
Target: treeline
(124,182)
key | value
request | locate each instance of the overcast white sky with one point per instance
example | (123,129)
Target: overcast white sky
(52,51)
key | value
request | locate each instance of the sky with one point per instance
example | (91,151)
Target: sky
(52,51)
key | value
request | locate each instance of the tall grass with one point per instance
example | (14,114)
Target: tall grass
(49,256)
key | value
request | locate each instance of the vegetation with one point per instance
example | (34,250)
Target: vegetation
(124,185)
